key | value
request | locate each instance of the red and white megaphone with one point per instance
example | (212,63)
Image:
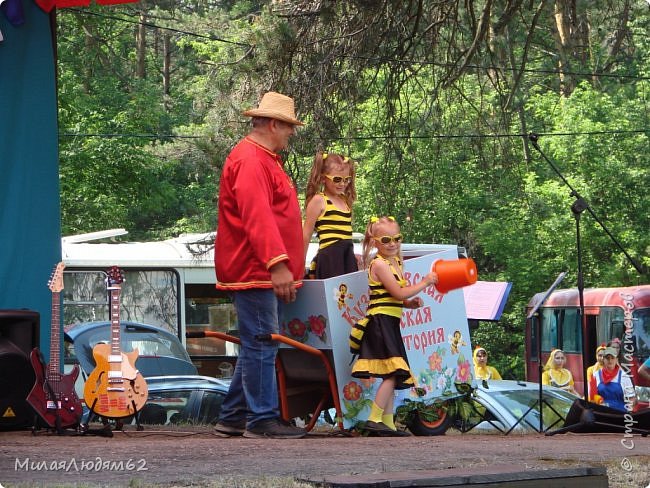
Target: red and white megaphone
(454,273)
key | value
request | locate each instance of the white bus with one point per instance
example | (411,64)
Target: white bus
(170,284)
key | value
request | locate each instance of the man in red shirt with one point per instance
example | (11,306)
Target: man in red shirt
(259,259)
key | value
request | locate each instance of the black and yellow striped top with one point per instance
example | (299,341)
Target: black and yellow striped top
(334,225)
(382,302)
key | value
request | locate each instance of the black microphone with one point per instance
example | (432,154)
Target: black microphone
(532,137)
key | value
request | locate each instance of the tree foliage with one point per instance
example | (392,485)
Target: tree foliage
(434,100)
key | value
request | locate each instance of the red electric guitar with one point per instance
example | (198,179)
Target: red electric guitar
(115,389)
(53,396)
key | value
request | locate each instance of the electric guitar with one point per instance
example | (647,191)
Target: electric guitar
(53,396)
(115,389)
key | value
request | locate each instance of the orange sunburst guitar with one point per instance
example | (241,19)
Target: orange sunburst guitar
(115,389)
(53,396)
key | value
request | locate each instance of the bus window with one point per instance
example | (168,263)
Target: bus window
(208,309)
(617,328)
(147,296)
(84,297)
(571,331)
(610,324)
(549,329)
(533,337)
(641,332)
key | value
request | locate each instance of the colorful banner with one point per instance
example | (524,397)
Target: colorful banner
(436,336)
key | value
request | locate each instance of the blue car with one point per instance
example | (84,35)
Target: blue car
(160,351)
(177,393)
(504,406)
(194,400)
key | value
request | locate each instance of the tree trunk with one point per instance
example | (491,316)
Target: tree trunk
(89,43)
(141,48)
(166,63)
(564,14)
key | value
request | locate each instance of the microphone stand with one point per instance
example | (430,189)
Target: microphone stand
(579,206)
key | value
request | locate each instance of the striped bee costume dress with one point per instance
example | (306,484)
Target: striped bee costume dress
(382,353)
(335,249)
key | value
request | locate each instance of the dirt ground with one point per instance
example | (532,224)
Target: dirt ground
(195,457)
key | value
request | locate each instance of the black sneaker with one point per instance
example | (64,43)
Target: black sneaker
(377,427)
(230,429)
(395,433)
(274,429)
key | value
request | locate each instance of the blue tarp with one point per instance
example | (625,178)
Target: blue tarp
(30,222)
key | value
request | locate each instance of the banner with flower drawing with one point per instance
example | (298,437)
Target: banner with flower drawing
(308,330)
(436,336)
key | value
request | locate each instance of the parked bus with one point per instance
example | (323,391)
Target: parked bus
(622,313)
(170,284)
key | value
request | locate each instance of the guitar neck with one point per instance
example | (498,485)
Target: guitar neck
(116,342)
(55,336)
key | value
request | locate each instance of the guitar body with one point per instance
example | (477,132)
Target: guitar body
(115,389)
(53,396)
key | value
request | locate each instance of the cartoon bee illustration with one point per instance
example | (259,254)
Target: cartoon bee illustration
(455,341)
(341,293)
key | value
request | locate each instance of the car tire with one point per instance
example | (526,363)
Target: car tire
(418,426)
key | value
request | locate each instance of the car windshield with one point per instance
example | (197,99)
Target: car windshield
(148,343)
(519,403)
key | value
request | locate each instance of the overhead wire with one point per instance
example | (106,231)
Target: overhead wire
(134,136)
(376,137)
(155,26)
(365,58)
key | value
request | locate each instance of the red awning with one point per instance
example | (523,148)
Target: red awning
(48,5)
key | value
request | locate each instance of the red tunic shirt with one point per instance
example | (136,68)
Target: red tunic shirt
(259,220)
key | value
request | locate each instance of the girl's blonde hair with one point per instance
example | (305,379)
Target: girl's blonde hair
(368,238)
(324,162)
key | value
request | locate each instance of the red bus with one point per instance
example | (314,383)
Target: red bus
(622,313)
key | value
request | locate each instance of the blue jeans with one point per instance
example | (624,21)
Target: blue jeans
(253,392)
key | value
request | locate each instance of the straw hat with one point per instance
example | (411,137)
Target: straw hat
(275,106)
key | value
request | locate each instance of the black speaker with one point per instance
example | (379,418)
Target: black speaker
(19,331)
(587,417)
(20,327)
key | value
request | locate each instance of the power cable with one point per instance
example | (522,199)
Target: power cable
(377,137)
(374,59)
(493,136)
(134,136)
(155,26)
(501,68)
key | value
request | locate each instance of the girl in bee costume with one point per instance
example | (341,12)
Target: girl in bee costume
(381,349)
(329,198)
